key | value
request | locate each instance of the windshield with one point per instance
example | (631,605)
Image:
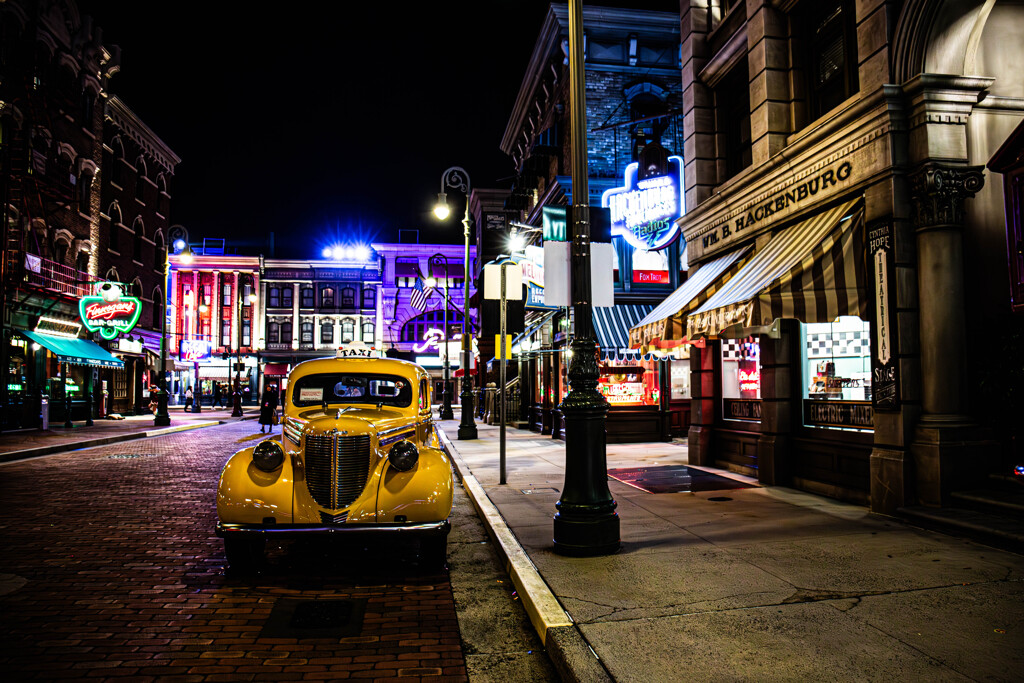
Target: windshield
(315,390)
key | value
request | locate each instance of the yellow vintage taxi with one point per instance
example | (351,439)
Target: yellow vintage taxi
(358,454)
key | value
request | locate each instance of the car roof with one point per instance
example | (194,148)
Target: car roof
(393,366)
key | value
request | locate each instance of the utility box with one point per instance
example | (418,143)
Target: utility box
(44,413)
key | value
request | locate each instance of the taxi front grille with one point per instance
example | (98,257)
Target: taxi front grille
(337,468)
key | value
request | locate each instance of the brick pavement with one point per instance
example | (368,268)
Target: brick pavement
(111,570)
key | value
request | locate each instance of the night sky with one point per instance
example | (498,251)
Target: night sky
(329,124)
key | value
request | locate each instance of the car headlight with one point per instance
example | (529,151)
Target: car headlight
(403,456)
(268,455)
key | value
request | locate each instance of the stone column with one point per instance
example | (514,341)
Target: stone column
(702,403)
(945,436)
(778,401)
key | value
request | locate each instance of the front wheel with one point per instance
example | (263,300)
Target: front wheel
(244,554)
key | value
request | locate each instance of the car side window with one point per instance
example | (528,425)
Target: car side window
(424,395)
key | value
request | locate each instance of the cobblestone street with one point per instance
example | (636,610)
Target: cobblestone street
(111,569)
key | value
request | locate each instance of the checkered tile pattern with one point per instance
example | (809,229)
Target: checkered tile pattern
(856,344)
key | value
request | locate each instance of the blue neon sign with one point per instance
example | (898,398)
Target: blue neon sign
(644,212)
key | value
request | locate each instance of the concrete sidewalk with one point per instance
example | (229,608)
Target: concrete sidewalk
(761,584)
(30,443)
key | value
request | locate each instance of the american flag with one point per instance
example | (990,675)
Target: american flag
(418,297)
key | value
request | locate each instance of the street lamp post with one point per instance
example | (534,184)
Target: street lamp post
(586,522)
(456,177)
(446,395)
(177,240)
(245,279)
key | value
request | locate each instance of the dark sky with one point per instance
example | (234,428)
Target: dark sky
(331,122)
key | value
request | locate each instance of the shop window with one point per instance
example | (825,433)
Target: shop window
(327,297)
(741,379)
(369,298)
(274,297)
(368,332)
(348,297)
(306,333)
(348,331)
(274,333)
(630,382)
(679,379)
(307,297)
(327,332)
(836,360)
(286,297)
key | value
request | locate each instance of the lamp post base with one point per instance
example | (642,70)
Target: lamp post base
(236,411)
(467,427)
(467,433)
(584,535)
(162,417)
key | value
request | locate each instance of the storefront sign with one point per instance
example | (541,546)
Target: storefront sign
(109,312)
(658,277)
(883,364)
(858,414)
(192,350)
(742,409)
(787,199)
(644,212)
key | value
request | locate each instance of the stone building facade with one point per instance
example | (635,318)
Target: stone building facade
(855,134)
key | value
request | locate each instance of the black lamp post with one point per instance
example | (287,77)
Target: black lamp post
(456,177)
(586,522)
(245,279)
(446,395)
(177,240)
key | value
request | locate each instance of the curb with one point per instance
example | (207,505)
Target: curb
(569,653)
(14,456)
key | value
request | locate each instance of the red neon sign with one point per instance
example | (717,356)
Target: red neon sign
(659,277)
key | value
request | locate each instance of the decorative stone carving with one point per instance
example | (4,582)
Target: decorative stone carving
(938,192)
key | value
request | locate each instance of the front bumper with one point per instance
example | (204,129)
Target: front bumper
(414,530)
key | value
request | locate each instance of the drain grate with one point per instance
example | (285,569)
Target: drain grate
(540,489)
(675,479)
(131,456)
(293,618)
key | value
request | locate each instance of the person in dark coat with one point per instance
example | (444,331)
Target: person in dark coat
(268,408)
(216,403)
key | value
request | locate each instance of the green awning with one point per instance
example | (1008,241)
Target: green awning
(74,351)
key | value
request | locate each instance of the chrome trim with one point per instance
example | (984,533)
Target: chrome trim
(423,528)
(397,437)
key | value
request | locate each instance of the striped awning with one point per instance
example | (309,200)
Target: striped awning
(666,324)
(613,323)
(812,271)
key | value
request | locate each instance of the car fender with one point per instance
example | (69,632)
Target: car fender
(423,494)
(248,495)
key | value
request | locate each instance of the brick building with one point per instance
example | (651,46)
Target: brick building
(57,115)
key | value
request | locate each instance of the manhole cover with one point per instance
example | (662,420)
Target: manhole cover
(131,456)
(292,618)
(539,490)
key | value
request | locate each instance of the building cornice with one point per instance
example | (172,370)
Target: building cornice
(125,119)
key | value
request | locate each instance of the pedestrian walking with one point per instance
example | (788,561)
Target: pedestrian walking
(268,408)
(216,395)
(188,398)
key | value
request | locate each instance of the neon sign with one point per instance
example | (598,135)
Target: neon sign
(750,380)
(109,312)
(431,340)
(644,211)
(192,350)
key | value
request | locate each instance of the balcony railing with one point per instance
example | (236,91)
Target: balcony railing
(52,276)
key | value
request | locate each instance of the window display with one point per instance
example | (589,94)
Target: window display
(630,382)
(741,379)
(680,379)
(836,358)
